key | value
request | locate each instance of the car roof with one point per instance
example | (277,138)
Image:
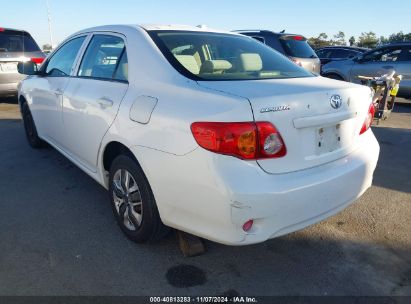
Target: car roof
(3,29)
(151,27)
(355,48)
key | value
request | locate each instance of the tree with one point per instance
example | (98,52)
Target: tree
(352,41)
(47,47)
(384,40)
(319,42)
(368,40)
(339,39)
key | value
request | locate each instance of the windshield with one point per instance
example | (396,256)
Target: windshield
(14,41)
(215,56)
(297,46)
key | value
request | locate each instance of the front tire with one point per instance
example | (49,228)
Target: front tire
(30,128)
(133,202)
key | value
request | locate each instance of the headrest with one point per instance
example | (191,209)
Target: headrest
(189,62)
(250,62)
(211,66)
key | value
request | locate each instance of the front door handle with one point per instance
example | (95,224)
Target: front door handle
(388,67)
(105,102)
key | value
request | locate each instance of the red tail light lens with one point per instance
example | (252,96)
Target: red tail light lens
(245,140)
(37,60)
(369,119)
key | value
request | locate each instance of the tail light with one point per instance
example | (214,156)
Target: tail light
(245,140)
(37,60)
(369,119)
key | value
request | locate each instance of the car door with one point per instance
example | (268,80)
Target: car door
(404,68)
(375,63)
(48,88)
(93,97)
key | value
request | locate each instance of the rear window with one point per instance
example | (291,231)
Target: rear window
(14,41)
(297,46)
(216,56)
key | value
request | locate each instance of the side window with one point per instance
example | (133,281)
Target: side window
(105,58)
(61,63)
(383,55)
(353,54)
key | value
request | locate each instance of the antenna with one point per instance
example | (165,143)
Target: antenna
(49,20)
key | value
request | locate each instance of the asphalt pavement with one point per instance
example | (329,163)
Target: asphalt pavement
(58,235)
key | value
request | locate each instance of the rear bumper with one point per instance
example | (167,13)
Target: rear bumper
(9,83)
(212,196)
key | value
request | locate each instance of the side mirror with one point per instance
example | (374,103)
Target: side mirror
(27,68)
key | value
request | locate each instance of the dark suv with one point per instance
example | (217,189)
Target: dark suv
(293,46)
(15,46)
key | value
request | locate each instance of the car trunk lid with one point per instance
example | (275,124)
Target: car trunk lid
(313,130)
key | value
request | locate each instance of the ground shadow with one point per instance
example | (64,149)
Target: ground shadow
(9,100)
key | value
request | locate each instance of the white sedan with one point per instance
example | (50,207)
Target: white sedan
(205,131)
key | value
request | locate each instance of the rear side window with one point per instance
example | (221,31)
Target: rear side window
(61,63)
(105,58)
(18,42)
(297,46)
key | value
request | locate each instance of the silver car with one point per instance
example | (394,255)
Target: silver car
(293,46)
(375,63)
(15,46)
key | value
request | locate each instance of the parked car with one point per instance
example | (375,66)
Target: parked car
(208,132)
(330,53)
(15,46)
(375,63)
(293,46)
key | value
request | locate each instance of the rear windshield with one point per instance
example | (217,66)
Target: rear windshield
(297,46)
(215,56)
(14,41)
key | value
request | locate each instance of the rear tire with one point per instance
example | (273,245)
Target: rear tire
(334,76)
(30,128)
(133,202)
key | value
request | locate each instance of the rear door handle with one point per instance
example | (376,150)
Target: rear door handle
(105,102)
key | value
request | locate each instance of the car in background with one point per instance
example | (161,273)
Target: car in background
(205,131)
(374,63)
(293,46)
(330,53)
(15,46)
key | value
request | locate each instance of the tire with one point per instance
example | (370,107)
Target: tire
(133,203)
(334,76)
(30,128)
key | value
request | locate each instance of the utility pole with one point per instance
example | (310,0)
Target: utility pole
(49,20)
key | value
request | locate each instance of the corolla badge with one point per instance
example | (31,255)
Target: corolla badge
(275,109)
(336,101)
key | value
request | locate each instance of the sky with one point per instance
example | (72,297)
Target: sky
(305,17)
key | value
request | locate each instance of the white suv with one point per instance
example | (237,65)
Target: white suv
(209,132)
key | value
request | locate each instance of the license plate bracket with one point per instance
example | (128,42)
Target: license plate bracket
(328,139)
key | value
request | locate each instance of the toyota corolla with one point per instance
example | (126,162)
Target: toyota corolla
(205,131)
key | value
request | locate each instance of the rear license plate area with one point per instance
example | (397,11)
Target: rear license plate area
(328,139)
(8,67)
